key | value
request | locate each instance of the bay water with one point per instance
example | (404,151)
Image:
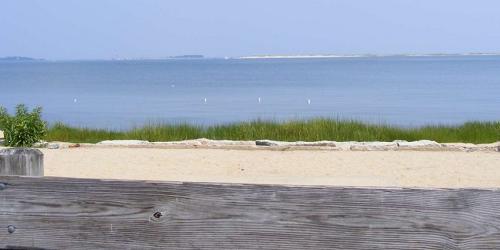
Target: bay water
(404,91)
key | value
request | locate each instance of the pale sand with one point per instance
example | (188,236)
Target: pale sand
(312,167)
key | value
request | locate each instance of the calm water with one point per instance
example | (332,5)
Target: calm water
(407,91)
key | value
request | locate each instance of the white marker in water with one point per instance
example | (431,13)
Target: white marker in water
(308,101)
(205,100)
(75,100)
(259,99)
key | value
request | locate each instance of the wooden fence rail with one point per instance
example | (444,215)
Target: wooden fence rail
(66,213)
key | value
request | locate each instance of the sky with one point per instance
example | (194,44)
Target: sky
(105,29)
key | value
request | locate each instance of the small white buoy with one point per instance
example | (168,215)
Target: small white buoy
(205,100)
(259,99)
(308,101)
(75,100)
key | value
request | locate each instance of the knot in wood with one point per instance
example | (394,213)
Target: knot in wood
(158,215)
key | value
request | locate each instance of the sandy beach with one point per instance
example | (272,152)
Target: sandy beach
(296,167)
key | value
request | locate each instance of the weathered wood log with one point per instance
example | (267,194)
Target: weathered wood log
(21,161)
(66,213)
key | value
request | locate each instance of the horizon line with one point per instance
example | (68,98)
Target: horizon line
(263,56)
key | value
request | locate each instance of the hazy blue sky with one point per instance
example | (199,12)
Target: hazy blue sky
(70,29)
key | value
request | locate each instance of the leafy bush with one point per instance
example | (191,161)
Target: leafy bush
(24,128)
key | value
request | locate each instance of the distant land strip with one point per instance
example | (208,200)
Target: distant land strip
(361,55)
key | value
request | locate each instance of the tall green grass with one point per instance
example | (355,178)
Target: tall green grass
(302,130)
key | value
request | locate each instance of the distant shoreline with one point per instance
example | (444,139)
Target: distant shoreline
(20,59)
(360,55)
(201,57)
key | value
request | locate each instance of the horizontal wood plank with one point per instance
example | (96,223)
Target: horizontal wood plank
(66,213)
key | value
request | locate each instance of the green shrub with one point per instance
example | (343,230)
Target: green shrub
(24,128)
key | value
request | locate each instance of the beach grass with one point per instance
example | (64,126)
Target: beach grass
(298,130)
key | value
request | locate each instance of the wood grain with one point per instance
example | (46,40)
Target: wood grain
(64,213)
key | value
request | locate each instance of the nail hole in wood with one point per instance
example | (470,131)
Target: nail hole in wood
(11,229)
